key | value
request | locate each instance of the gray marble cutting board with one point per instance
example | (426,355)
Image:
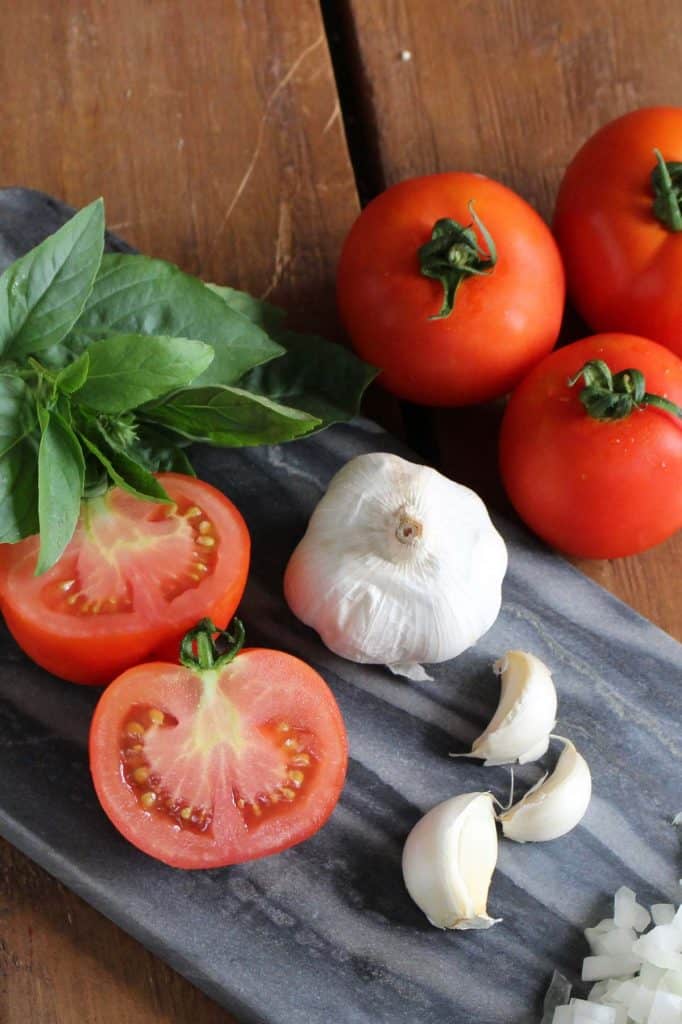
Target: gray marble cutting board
(325,933)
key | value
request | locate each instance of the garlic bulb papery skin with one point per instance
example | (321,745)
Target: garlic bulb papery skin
(555,804)
(526,713)
(398,566)
(448,861)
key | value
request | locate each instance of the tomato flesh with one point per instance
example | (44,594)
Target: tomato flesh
(208,768)
(134,578)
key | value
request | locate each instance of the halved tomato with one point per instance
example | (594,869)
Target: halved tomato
(218,761)
(134,578)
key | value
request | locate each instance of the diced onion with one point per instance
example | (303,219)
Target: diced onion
(663,913)
(638,978)
(596,968)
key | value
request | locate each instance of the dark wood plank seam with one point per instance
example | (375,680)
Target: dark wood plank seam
(362,137)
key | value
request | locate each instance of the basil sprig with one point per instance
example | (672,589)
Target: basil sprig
(112,364)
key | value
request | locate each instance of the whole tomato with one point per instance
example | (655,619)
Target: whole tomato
(591,449)
(618,222)
(453,286)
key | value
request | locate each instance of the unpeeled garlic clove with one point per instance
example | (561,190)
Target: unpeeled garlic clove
(555,804)
(448,861)
(525,715)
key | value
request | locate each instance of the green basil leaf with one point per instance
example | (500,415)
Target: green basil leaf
(324,379)
(73,376)
(230,417)
(267,316)
(125,471)
(321,378)
(130,369)
(138,295)
(43,293)
(161,451)
(18,466)
(57,357)
(61,471)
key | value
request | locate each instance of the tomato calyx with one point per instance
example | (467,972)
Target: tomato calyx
(453,253)
(666,181)
(613,396)
(199,648)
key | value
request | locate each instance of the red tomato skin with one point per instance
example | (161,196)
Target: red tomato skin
(298,684)
(623,266)
(501,325)
(93,651)
(595,489)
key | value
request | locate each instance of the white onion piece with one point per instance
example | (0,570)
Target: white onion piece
(662,947)
(666,1008)
(663,913)
(640,1004)
(596,968)
(627,912)
(593,1012)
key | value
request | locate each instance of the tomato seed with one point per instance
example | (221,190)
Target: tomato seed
(206,542)
(204,526)
(148,799)
(157,717)
(135,729)
(300,761)
(192,512)
(141,775)
(296,777)
(287,793)
(283,727)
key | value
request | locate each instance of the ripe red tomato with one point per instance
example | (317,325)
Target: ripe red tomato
(506,316)
(590,487)
(623,263)
(134,578)
(206,764)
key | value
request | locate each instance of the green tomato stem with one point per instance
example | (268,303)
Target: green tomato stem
(199,650)
(453,253)
(611,396)
(666,180)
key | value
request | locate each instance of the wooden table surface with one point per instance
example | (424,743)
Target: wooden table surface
(219,138)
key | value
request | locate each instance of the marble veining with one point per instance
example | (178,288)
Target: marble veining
(325,933)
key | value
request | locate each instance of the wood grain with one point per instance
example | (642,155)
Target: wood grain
(212,129)
(512,88)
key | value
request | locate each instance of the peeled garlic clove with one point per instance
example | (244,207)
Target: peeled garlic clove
(448,861)
(525,715)
(398,566)
(554,805)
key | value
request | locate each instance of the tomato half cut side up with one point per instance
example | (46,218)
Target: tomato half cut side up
(135,577)
(220,759)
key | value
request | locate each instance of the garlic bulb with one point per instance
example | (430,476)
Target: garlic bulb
(555,804)
(399,565)
(525,715)
(448,861)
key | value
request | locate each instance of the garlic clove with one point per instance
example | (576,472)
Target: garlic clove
(555,804)
(448,861)
(526,713)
